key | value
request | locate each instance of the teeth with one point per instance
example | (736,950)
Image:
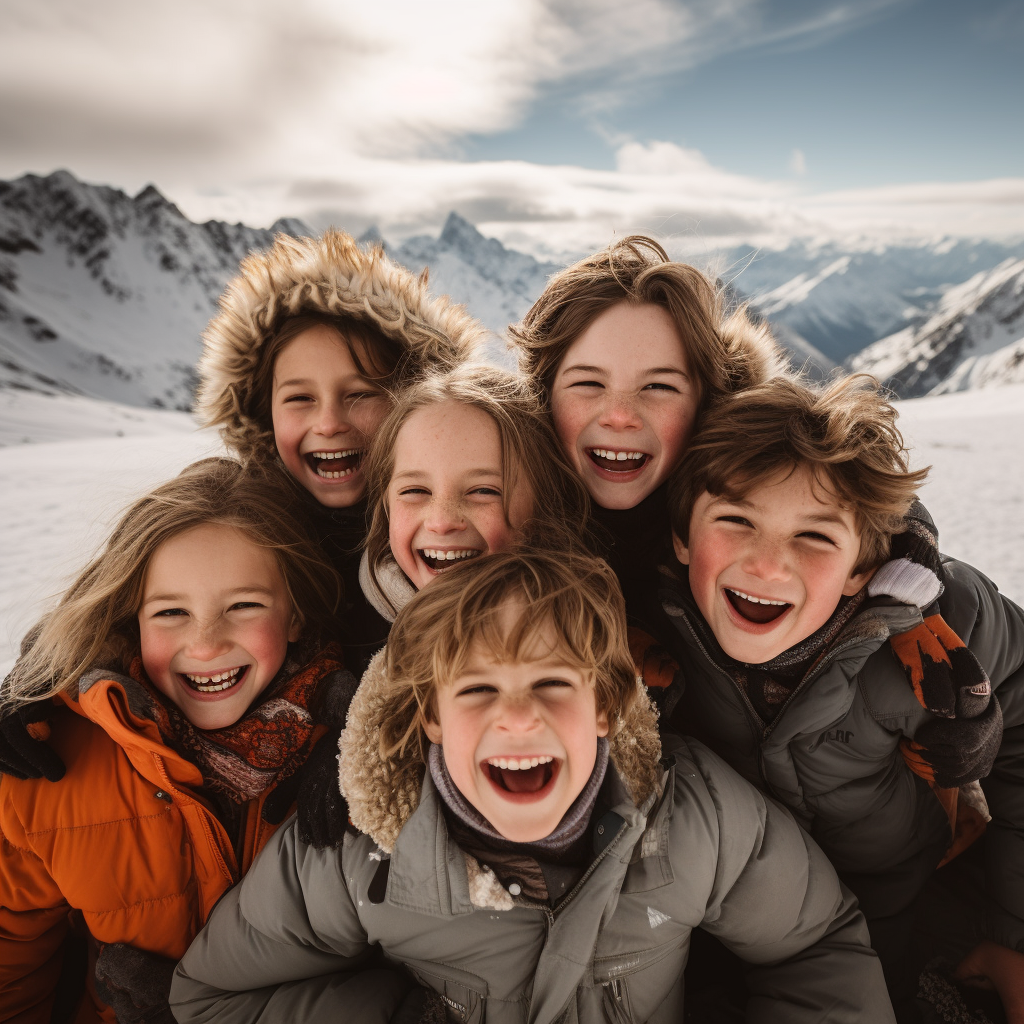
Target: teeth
(755,600)
(604,453)
(449,556)
(518,764)
(216,682)
(333,474)
(336,455)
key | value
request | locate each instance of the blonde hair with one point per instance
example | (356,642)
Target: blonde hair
(95,622)
(844,432)
(725,351)
(530,456)
(437,632)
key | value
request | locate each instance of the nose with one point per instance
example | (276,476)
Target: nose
(620,412)
(208,640)
(444,516)
(517,715)
(330,420)
(766,559)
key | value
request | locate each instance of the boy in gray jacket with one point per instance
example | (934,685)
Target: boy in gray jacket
(529,850)
(810,667)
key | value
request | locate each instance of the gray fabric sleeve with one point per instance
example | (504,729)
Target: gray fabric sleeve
(997,640)
(776,902)
(260,958)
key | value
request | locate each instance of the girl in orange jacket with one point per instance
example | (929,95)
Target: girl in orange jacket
(189,685)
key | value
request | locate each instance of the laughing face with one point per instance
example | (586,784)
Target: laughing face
(768,570)
(519,738)
(623,403)
(215,623)
(445,495)
(324,414)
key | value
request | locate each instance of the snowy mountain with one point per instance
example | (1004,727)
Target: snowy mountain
(842,300)
(974,339)
(105,294)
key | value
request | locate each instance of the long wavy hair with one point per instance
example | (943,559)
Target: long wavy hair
(95,623)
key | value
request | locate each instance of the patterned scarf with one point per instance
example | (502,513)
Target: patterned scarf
(264,747)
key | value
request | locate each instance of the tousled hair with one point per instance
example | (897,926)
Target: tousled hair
(844,432)
(531,456)
(726,351)
(95,623)
(575,598)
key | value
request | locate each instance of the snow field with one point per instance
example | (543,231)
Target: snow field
(62,490)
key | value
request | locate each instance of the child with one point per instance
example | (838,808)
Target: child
(783,511)
(185,667)
(464,465)
(525,855)
(300,367)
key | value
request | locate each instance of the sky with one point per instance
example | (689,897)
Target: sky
(554,125)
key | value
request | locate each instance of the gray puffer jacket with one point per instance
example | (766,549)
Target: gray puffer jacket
(684,843)
(832,753)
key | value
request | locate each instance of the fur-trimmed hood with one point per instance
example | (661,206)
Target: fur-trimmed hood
(382,793)
(329,275)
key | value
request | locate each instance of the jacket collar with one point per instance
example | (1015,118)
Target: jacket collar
(388,589)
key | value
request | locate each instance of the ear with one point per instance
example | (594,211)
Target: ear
(858,581)
(294,630)
(432,730)
(602,723)
(681,550)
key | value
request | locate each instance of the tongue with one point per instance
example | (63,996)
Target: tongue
(526,780)
(335,465)
(754,611)
(617,466)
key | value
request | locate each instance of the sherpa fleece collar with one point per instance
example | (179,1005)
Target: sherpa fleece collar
(388,590)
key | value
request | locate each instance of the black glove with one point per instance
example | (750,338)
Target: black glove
(420,1006)
(20,754)
(322,810)
(135,984)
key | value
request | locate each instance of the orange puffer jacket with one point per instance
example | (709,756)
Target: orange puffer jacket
(124,844)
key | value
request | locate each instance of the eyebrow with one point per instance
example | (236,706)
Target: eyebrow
(413,473)
(654,371)
(254,588)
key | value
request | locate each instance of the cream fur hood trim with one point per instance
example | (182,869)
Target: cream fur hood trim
(382,794)
(329,274)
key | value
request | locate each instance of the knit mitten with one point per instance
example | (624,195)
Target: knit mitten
(135,984)
(24,752)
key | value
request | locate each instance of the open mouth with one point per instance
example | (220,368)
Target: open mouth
(613,461)
(214,682)
(756,609)
(334,465)
(439,559)
(523,777)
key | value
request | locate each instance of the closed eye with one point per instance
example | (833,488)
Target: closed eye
(479,688)
(813,535)
(585,384)
(166,613)
(242,605)
(552,683)
(299,398)
(491,492)
(413,490)
(658,385)
(738,520)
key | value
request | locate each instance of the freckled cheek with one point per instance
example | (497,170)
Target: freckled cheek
(367,417)
(496,533)
(402,527)
(569,418)
(673,430)
(157,650)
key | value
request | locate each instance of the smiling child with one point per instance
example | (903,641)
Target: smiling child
(183,705)
(783,513)
(524,853)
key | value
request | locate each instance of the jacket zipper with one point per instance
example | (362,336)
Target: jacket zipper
(616,1002)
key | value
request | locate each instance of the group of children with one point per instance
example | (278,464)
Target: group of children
(643,655)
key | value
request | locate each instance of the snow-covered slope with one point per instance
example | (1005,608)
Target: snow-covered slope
(105,294)
(58,500)
(974,339)
(841,300)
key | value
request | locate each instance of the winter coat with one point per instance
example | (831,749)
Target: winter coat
(832,752)
(327,275)
(684,843)
(124,844)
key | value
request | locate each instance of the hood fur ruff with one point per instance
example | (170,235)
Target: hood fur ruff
(331,275)
(383,793)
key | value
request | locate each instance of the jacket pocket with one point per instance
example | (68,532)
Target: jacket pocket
(464,994)
(635,984)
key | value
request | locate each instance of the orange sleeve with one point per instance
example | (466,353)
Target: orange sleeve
(33,925)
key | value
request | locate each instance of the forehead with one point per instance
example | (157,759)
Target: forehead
(317,353)
(448,435)
(211,556)
(800,492)
(629,336)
